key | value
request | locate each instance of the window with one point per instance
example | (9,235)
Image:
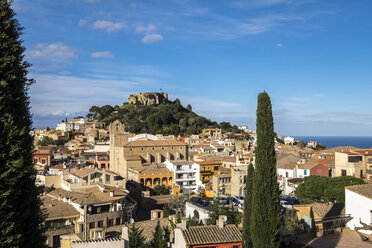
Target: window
(216,168)
(92,225)
(286,174)
(343,173)
(56,241)
(100,223)
(355,159)
(305,171)
(107,178)
(117,221)
(361,174)
(110,222)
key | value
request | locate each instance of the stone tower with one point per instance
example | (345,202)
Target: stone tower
(117,141)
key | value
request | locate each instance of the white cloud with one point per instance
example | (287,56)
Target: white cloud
(151,38)
(109,26)
(54,94)
(83,22)
(280,45)
(105,54)
(54,51)
(145,29)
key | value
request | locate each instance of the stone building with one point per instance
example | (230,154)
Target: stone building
(148,98)
(126,154)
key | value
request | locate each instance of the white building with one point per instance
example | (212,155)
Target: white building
(65,127)
(358,204)
(186,175)
(289,140)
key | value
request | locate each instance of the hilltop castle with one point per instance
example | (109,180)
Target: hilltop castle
(148,98)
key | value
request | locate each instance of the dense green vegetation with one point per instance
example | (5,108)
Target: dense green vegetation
(233,216)
(136,238)
(46,141)
(247,211)
(20,213)
(266,219)
(161,190)
(324,189)
(166,118)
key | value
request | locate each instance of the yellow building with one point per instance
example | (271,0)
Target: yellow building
(151,175)
(214,132)
(357,163)
(320,217)
(208,169)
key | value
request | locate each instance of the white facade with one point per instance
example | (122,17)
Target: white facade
(65,127)
(359,207)
(186,175)
(289,140)
(293,173)
(203,212)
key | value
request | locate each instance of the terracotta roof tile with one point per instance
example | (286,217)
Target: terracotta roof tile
(363,189)
(139,143)
(197,235)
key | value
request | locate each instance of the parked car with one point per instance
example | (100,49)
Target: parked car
(240,199)
(235,202)
(286,204)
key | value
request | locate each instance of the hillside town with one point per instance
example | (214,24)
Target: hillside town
(101,185)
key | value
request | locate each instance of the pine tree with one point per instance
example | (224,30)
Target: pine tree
(265,223)
(158,240)
(247,212)
(214,213)
(20,213)
(136,239)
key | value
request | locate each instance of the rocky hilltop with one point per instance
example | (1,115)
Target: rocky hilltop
(148,98)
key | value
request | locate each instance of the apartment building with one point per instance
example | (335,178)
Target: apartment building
(357,163)
(186,175)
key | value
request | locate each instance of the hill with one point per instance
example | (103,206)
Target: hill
(165,118)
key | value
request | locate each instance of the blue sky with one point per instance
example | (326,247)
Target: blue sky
(312,57)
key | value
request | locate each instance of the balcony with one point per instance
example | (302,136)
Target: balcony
(186,179)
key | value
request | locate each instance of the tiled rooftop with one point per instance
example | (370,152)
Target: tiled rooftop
(197,235)
(364,190)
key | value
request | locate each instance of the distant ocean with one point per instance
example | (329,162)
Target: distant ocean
(333,141)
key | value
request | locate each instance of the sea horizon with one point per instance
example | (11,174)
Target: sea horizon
(362,142)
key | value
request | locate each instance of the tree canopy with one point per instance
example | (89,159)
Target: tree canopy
(265,219)
(324,189)
(165,118)
(20,213)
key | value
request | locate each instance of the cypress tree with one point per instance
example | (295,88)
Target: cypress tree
(247,212)
(136,239)
(158,239)
(265,223)
(20,213)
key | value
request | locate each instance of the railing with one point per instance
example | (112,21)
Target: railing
(52,228)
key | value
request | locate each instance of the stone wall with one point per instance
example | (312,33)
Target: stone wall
(148,98)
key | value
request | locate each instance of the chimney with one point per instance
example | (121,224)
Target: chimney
(221,221)
(183,224)
(112,193)
(125,233)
